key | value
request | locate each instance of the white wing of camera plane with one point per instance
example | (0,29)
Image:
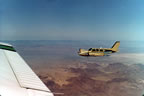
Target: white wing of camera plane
(16,77)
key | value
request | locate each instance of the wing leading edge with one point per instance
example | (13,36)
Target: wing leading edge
(16,77)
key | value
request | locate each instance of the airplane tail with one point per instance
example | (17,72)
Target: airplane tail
(116,46)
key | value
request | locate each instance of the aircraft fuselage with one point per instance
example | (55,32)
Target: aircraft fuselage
(99,51)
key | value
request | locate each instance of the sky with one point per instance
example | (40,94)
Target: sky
(71,20)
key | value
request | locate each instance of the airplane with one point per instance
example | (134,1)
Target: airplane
(16,77)
(99,51)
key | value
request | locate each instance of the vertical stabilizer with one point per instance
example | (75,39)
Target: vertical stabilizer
(116,46)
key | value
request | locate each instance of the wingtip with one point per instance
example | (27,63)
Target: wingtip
(6,44)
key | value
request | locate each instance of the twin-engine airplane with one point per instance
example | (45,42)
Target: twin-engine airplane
(99,51)
(16,77)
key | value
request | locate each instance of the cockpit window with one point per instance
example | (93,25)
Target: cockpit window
(90,49)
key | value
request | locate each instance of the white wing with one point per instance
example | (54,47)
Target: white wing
(16,77)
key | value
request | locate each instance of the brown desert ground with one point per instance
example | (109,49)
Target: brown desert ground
(95,80)
(63,71)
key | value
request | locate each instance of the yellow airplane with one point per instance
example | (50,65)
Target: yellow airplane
(99,51)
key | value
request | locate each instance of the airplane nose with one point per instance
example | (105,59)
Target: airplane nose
(80,50)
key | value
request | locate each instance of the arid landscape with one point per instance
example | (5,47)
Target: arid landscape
(92,79)
(63,71)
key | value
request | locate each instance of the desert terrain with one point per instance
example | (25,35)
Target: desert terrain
(63,71)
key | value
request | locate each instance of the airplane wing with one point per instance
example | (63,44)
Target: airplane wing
(16,77)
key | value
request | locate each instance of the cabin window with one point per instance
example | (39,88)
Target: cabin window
(97,49)
(101,50)
(107,50)
(93,50)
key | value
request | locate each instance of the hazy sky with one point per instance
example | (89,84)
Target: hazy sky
(72,19)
